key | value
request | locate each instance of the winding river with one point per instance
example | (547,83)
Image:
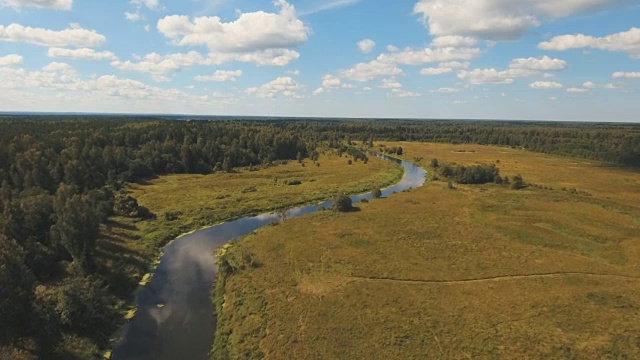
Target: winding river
(175,318)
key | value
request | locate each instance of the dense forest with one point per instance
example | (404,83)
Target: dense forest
(60,178)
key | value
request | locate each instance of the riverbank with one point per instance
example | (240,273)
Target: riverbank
(132,246)
(550,271)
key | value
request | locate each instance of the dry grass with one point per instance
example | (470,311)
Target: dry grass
(207,200)
(391,281)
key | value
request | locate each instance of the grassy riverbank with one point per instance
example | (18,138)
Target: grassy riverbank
(129,246)
(480,271)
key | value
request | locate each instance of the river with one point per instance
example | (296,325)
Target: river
(175,317)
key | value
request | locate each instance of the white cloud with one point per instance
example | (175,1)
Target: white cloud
(445,90)
(67,71)
(73,36)
(577,90)
(151,4)
(159,64)
(220,76)
(544,63)
(82,53)
(366,45)
(400,93)
(147,28)
(612,86)
(589,85)
(390,84)
(10,60)
(251,32)
(486,76)
(435,71)
(627,41)
(545,85)
(42,4)
(368,71)
(132,16)
(387,64)
(330,82)
(392,48)
(518,68)
(284,86)
(444,68)
(430,55)
(496,20)
(453,41)
(628,75)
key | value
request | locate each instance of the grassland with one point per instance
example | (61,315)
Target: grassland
(130,245)
(481,271)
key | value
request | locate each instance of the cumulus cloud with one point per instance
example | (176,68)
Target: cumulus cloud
(497,20)
(626,41)
(132,16)
(390,84)
(73,36)
(42,4)
(10,60)
(251,32)
(445,90)
(453,41)
(392,48)
(627,75)
(544,63)
(157,64)
(284,86)
(444,68)
(518,68)
(545,85)
(366,45)
(429,55)
(577,90)
(435,71)
(368,71)
(151,4)
(589,85)
(82,53)
(220,76)
(330,82)
(401,93)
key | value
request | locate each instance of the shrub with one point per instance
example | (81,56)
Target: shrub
(342,203)
(377,193)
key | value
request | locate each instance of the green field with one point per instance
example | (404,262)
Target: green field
(481,271)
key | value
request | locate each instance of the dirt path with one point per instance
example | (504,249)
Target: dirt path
(499,278)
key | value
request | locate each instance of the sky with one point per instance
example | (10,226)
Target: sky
(575,60)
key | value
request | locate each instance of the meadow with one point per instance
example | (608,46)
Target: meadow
(479,271)
(130,245)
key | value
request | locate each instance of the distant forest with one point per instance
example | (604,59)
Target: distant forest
(59,180)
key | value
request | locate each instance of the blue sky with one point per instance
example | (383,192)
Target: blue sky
(489,59)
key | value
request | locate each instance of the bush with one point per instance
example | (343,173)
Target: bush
(342,203)
(517,183)
(377,193)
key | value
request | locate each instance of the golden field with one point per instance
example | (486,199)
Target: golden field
(480,272)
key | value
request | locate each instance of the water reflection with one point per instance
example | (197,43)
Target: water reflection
(175,318)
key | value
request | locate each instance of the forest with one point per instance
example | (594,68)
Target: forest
(60,178)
